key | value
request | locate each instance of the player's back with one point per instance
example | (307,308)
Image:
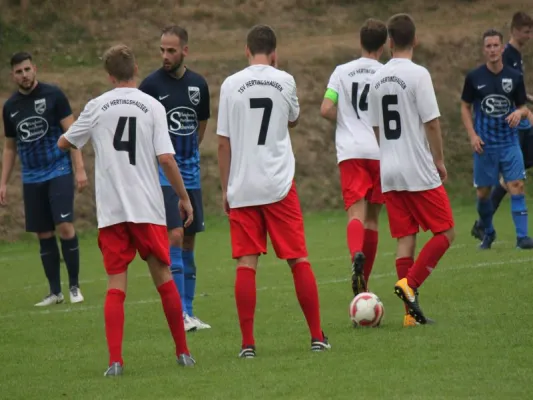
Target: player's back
(402,100)
(126,140)
(354,135)
(259,103)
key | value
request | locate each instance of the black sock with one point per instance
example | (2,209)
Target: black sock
(50,259)
(497,195)
(71,254)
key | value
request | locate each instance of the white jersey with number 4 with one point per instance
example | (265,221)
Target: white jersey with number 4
(402,99)
(354,136)
(256,105)
(128,130)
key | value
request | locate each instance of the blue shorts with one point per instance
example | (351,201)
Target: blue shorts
(173,214)
(507,162)
(526,144)
(49,203)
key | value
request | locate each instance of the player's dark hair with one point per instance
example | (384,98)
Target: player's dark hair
(261,39)
(373,34)
(119,62)
(178,31)
(19,57)
(491,33)
(521,20)
(402,30)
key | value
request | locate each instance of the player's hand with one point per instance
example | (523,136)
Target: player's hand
(81,180)
(225,204)
(186,212)
(441,169)
(3,195)
(514,118)
(477,144)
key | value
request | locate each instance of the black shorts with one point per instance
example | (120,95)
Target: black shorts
(49,203)
(526,144)
(173,214)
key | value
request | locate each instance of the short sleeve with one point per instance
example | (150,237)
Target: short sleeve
(162,142)
(205,107)
(9,130)
(469,93)
(223,122)
(426,100)
(520,94)
(294,105)
(334,81)
(81,130)
(373,106)
(63,109)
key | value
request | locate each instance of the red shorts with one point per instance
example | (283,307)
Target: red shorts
(360,179)
(119,244)
(283,221)
(429,209)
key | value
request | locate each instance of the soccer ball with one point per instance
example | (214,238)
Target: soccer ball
(366,309)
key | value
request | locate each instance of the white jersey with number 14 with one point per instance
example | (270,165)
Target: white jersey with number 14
(401,101)
(128,130)
(256,105)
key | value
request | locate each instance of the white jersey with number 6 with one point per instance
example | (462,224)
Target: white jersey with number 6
(256,105)
(354,136)
(402,99)
(128,130)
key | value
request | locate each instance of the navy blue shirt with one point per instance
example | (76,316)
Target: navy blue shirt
(513,58)
(186,101)
(494,97)
(34,120)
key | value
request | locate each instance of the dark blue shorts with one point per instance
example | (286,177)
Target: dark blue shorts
(173,215)
(507,161)
(526,144)
(49,203)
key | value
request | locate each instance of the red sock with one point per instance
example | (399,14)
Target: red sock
(307,294)
(427,260)
(246,297)
(171,301)
(356,234)
(370,247)
(114,324)
(402,269)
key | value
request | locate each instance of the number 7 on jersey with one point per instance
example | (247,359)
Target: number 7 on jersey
(266,104)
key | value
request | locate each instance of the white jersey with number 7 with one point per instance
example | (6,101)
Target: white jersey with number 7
(256,105)
(401,101)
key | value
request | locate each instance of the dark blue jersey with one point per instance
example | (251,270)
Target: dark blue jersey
(34,120)
(494,97)
(513,58)
(186,101)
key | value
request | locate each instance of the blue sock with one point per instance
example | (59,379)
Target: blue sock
(519,210)
(176,267)
(190,279)
(485,211)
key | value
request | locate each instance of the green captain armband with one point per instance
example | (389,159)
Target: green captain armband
(332,95)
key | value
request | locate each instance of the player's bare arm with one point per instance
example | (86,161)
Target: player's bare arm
(224,161)
(530,98)
(434,136)
(202,125)
(517,115)
(8,162)
(466,116)
(293,124)
(172,172)
(77,158)
(328,110)
(376,132)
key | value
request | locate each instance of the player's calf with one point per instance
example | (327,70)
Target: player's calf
(520,214)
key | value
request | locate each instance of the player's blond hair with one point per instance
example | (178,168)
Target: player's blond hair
(119,62)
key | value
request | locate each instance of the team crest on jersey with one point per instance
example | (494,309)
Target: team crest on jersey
(507,85)
(194,95)
(40,106)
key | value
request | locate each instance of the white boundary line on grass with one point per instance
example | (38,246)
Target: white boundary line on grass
(18,314)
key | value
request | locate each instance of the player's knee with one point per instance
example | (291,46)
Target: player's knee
(483,193)
(357,210)
(294,261)
(188,242)
(515,187)
(406,247)
(66,230)
(117,281)
(249,261)
(372,216)
(450,235)
(45,235)
(175,237)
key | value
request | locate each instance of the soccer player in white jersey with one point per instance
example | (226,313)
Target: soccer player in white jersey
(257,106)
(404,111)
(346,102)
(129,133)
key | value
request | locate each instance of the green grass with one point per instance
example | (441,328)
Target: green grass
(481,346)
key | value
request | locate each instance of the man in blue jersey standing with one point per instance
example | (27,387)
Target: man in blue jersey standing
(521,30)
(185,96)
(34,118)
(498,95)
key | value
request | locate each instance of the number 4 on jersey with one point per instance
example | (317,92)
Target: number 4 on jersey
(363,101)
(126,145)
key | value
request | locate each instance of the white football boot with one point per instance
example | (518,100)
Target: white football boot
(51,299)
(199,323)
(190,326)
(75,295)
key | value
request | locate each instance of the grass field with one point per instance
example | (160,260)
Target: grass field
(481,346)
